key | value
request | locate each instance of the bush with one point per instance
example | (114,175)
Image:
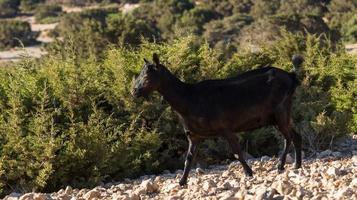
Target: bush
(47,13)
(9,8)
(15,33)
(127,30)
(349,29)
(70,120)
(29,5)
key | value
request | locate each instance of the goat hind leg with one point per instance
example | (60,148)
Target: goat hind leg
(297,141)
(287,142)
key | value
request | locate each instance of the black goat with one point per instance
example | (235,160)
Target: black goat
(251,100)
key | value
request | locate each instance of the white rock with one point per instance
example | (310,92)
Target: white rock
(149,186)
(208,184)
(333,171)
(226,195)
(121,197)
(13,196)
(282,187)
(226,174)
(68,190)
(199,170)
(170,187)
(64,197)
(157,179)
(261,193)
(92,194)
(264,158)
(354,159)
(27,196)
(344,192)
(39,196)
(134,196)
(233,165)
(234,183)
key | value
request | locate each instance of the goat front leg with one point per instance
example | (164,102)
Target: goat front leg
(191,154)
(238,153)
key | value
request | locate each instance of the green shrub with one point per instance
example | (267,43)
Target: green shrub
(48,13)
(15,33)
(9,8)
(69,119)
(349,29)
(30,5)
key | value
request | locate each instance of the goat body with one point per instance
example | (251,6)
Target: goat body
(251,100)
(239,104)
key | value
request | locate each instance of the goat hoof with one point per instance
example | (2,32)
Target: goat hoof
(248,173)
(281,169)
(182,182)
(297,166)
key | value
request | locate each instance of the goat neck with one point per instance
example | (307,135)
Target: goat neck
(175,92)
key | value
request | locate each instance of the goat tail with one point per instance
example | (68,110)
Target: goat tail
(297,61)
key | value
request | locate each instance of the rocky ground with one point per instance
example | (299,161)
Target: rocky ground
(328,175)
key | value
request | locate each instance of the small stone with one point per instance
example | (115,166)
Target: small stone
(354,153)
(65,197)
(13,196)
(68,190)
(344,192)
(226,174)
(234,183)
(121,197)
(333,171)
(170,187)
(354,159)
(228,195)
(27,196)
(324,154)
(289,159)
(149,186)
(264,158)
(108,185)
(337,154)
(282,187)
(200,171)
(173,197)
(134,196)
(208,184)
(82,192)
(92,194)
(39,197)
(261,193)
(226,185)
(233,165)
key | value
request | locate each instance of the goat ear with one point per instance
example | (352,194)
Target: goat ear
(146,61)
(155,58)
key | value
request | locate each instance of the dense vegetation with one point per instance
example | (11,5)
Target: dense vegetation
(69,119)
(15,33)
(48,13)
